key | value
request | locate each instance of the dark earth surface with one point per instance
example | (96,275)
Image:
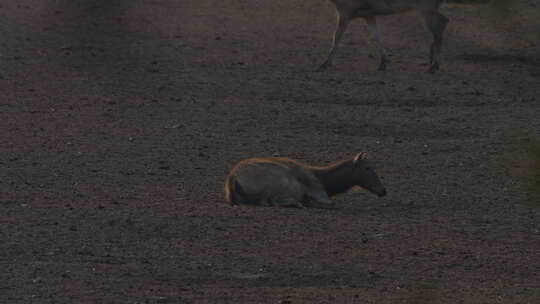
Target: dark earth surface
(120,120)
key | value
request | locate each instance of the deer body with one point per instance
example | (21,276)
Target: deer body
(287,183)
(348,10)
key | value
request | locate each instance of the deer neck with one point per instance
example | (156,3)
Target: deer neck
(336,178)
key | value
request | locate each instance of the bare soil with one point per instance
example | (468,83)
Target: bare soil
(119,121)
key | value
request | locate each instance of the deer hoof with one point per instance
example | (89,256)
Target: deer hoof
(324,67)
(383,63)
(433,68)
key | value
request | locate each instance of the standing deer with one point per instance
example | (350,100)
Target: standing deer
(348,10)
(284,182)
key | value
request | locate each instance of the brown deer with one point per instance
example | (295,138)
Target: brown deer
(277,181)
(348,10)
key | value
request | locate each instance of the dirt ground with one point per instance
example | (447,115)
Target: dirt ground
(120,119)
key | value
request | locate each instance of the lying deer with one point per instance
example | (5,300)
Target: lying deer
(348,10)
(284,182)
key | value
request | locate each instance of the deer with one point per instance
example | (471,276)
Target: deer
(348,10)
(284,182)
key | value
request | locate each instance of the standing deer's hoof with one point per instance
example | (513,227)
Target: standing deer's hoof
(382,65)
(324,67)
(433,68)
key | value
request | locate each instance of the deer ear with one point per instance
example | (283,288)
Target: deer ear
(359,156)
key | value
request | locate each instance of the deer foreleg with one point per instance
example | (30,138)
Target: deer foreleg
(376,37)
(343,21)
(285,201)
(436,23)
(318,199)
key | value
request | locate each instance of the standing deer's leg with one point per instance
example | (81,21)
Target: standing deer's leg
(436,23)
(376,37)
(343,21)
